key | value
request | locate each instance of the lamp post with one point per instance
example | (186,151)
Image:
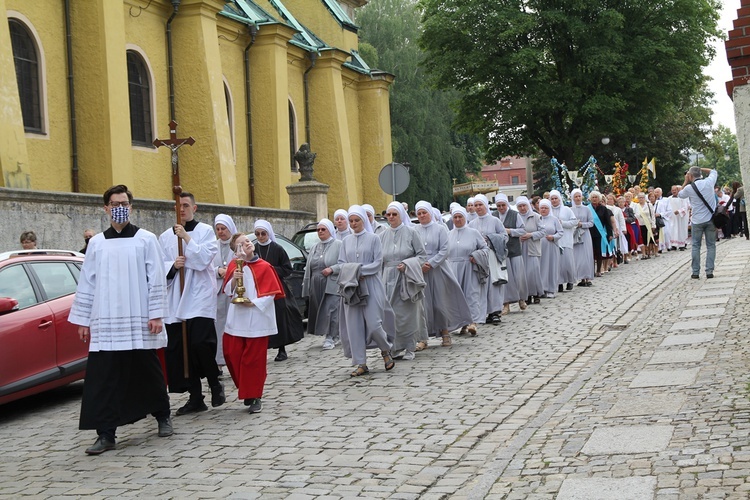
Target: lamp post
(605,140)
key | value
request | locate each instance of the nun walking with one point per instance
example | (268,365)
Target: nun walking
(583,248)
(320,286)
(361,322)
(531,249)
(403,257)
(567,269)
(516,289)
(288,318)
(550,262)
(467,250)
(225,229)
(494,234)
(444,303)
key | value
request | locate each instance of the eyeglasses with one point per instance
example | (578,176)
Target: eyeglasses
(115,204)
(260,233)
(321,229)
(391,215)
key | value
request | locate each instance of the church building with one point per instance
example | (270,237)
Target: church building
(87,86)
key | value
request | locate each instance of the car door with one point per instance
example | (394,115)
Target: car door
(27,335)
(58,282)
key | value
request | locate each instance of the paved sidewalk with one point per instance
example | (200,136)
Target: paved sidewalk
(634,388)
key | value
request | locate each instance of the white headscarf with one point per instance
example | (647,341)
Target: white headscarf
(264,224)
(545,202)
(401,212)
(501,197)
(573,193)
(522,200)
(362,214)
(328,225)
(471,200)
(425,205)
(555,192)
(437,215)
(227,221)
(480,198)
(369,209)
(458,209)
(343,213)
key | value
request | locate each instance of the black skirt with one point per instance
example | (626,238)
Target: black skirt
(122,387)
(288,321)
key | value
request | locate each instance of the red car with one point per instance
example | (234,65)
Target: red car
(39,349)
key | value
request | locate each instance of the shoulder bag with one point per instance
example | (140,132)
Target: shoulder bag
(720,218)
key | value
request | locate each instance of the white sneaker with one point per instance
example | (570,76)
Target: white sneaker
(328,344)
(409,355)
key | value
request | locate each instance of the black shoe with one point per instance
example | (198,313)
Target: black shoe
(682,249)
(165,427)
(281,356)
(192,406)
(494,319)
(101,445)
(217,395)
(709,275)
(569,286)
(694,276)
(255,405)
(537,300)
(559,288)
(582,283)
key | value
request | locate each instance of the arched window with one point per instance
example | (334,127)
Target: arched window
(292,135)
(26,59)
(139,94)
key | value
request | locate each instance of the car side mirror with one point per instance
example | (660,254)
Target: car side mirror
(8,305)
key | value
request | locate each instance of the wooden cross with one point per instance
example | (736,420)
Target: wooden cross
(173,143)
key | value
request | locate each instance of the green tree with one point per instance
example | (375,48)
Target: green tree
(555,77)
(722,154)
(421,116)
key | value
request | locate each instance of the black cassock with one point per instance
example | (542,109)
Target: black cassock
(288,316)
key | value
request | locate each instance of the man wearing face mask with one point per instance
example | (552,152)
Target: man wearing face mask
(195,304)
(119,305)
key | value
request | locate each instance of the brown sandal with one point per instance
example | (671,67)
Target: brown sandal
(421,346)
(447,342)
(472,329)
(388,360)
(464,331)
(361,370)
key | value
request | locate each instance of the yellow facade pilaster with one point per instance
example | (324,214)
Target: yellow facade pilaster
(102,106)
(329,136)
(206,168)
(14,159)
(269,82)
(376,149)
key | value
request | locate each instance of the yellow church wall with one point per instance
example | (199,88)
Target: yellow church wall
(144,34)
(233,38)
(314,15)
(298,62)
(49,153)
(375,135)
(14,158)
(351,102)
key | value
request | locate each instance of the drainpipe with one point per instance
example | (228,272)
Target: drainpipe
(313,57)
(72,100)
(251,163)
(170,64)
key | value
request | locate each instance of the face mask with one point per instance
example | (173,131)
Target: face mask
(120,215)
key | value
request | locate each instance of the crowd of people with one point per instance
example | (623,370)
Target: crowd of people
(162,313)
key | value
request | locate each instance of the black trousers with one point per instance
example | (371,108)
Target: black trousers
(201,335)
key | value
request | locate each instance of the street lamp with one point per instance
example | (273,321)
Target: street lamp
(605,140)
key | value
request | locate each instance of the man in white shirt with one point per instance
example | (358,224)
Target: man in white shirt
(701,219)
(194,304)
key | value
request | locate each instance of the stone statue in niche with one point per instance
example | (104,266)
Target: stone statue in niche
(305,159)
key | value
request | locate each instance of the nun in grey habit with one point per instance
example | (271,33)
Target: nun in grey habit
(367,324)
(583,248)
(464,245)
(531,247)
(486,224)
(567,270)
(444,303)
(550,261)
(320,287)
(401,242)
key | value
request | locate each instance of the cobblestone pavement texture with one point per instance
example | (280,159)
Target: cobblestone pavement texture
(593,394)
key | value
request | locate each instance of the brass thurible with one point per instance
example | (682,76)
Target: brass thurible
(240,298)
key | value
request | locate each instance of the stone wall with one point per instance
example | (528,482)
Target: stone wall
(59,219)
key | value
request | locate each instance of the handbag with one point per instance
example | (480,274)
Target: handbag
(660,222)
(720,218)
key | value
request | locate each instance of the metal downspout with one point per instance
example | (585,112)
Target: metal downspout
(251,162)
(71,100)
(313,57)
(170,62)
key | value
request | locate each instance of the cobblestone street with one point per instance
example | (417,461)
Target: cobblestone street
(634,388)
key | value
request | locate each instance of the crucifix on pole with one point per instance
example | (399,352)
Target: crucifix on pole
(173,143)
